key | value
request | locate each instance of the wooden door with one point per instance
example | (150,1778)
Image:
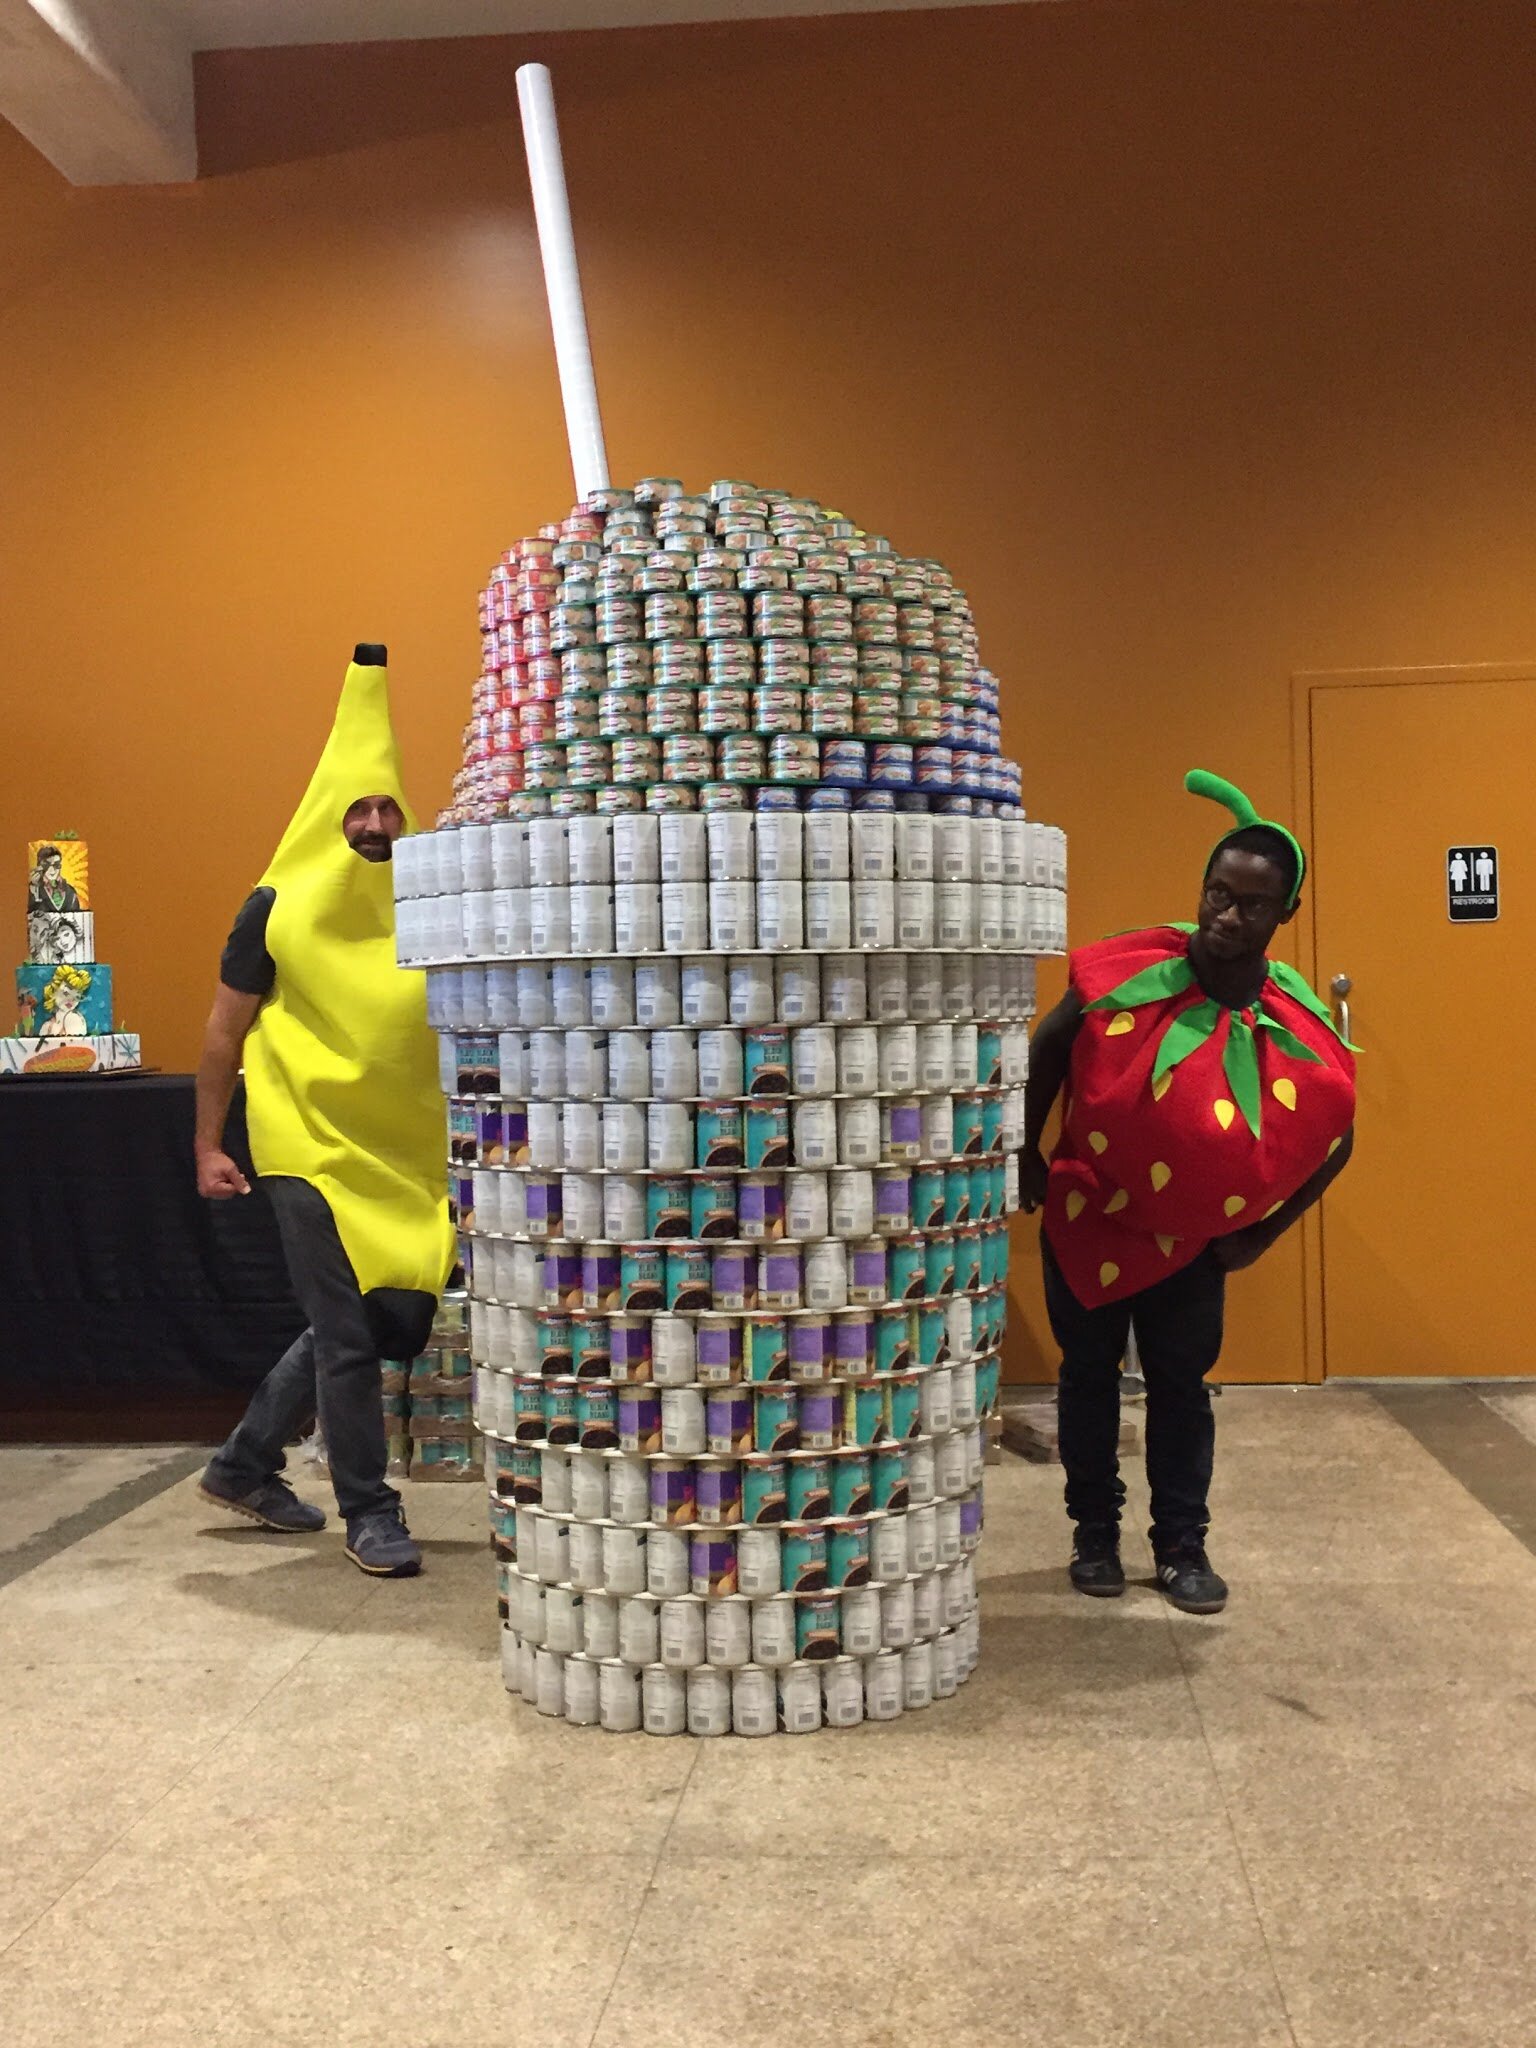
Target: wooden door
(1427,1260)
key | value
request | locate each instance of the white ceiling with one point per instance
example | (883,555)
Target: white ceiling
(251,24)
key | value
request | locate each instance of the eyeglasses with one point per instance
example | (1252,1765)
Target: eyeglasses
(1251,909)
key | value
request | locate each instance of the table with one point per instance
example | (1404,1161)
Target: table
(130,1308)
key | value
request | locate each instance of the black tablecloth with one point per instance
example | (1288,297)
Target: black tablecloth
(128,1305)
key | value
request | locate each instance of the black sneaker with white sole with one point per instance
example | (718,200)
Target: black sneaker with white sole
(1095,1568)
(380,1544)
(1185,1575)
(273,1504)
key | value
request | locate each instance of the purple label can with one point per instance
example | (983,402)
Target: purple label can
(760,1199)
(893,1200)
(629,1344)
(970,1520)
(853,1342)
(717,1490)
(712,1566)
(810,1489)
(728,1422)
(733,1280)
(544,1204)
(672,1494)
(639,1419)
(491,1134)
(717,1351)
(902,1130)
(851,1485)
(866,1271)
(562,1276)
(809,1339)
(848,1555)
(515,1126)
(820,1416)
(599,1278)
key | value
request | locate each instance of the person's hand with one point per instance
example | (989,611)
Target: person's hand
(1240,1248)
(218,1177)
(1033,1176)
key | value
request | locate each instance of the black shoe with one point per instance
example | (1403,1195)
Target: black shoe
(273,1504)
(380,1544)
(1185,1575)
(1095,1566)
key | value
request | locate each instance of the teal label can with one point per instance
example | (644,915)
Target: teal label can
(713,1206)
(560,1426)
(989,1058)
(554,1342)
(957,1195)
(591,1351)
(928,1197)
(865,1417)
(894,1347)
(994,1255)
(992,1123)
(848,1555)
(851,1494)
(718,1135)
(765,1055)
(527,1478)
(776,1419)
(804,1558)
(988,1373)
(818,1629)
(981,1194)
(597,1419)
(903,1409)
(528,1411)
(767,1135)
(642,1277)
(890,1488)
(763,1495)
(767,1348)
(967,1275)
(668,1206)
(810,1489)
(968,1123)
(905,1260)
(931,1334)
(690,1278)
(939,1263)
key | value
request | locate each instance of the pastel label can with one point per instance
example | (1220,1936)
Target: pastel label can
(763,1491)
(591,1355)
(851,1485)
(903,1408)
(554,1342)
(733,1279)
(809,1348)
(672,1492)
(819,1420)
(848,1555)
(728,1421)
(597,1418)
(718,1134)
(629,1344)
(765,1052)
(712,1566)
(689,1281)
(939,1263)
(894,1340)
(893,1200)
(600,1266)
(864,1413)
(779,1276)
(803,1560)
(668,1206)
(713,1206)
(767,1135)
(760,1207)
(560,1426)
(642,1277)
(809,1489)
(967,1278)
(867,1272)
(776,1419)
(717,1491)
(767,1351)
(905,1269)
(853,1343)
(890,1489)
(818,1632)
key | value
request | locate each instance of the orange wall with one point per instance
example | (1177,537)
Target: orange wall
(1196,338)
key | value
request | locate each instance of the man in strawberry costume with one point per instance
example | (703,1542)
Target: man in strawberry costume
(1209,1102)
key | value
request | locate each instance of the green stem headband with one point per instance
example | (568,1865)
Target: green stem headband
(1201,782)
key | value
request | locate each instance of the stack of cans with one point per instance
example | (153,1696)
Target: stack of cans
(735,1090)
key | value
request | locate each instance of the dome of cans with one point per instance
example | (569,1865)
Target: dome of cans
(735,649)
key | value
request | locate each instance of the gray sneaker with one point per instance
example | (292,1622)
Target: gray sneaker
(273,1504)
(380,1544)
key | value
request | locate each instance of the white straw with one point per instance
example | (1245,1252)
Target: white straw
(562,279)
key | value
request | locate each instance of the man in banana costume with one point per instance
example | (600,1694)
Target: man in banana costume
(345,1124)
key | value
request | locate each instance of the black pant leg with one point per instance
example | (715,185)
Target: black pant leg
(1179,1325)
(1092,1342)
(348,1388)
(279,1408)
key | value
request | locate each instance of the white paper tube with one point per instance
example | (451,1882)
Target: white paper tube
(562,279)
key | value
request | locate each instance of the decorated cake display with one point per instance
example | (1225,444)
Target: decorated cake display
(63,992)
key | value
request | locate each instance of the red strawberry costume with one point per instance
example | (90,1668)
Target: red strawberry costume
(1183,1119)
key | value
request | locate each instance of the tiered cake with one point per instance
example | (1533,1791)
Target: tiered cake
(728,936)
(63,992)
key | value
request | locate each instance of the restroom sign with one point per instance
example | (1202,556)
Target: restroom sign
(1472,884)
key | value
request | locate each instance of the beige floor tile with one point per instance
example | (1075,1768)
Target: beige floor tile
(45,1484)
(827,1952)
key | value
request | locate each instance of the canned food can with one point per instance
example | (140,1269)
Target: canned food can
(688,1278)
(760,1199)
(814,1059)
(820,1430)
(865,1420)
(717,1350)
(713,1207)
(858,1132)
(779,1276)
(776,1420)
(853,1343)
(749,985)
(764,1495)
(669,1141)
(712,1569)
(637,919)
(809,1348)
(629,1347)
(901,1129)
(815,1131)
(828,919)
(718,1493)
(639,1419)
(623,1207)
(672,1492)
(642,1273)
(719,1136)
(867,1279)
(852,1215)
(721,1069)
(767,1351)
(767,1135)
(600,1274)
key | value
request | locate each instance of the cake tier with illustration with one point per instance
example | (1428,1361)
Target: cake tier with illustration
(63,992)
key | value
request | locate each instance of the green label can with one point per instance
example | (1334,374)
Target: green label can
(905,1262)
(939,1264)
(957,1195)
(890,1489)
(903,1408)
(928,1197)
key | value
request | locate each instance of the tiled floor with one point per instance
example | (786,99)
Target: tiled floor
(247,1797)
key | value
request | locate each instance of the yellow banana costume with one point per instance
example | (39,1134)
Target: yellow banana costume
(341,1068)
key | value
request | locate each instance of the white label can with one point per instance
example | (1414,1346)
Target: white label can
(562,1625)
(815,1136)
(844,989)
(952,849)
(948,1517)
(888,1548)
(754,1702)
(884,1687)
(509,853)
(581,1196)
(861,1622)
(759,1564)
(953,914)
(550,1683)
(935,1056)
(957,1318)
(898,1057)
(629,1502)
(547,859)
(728,1633)
(535,999)
(963,1055)
(568,993)
(664,1699)
(637,917)
(951,1467)
(858,1133)
(917,1676)
(773,1632)
(550,919)
(682,1422)
(637,847)
(1013,834)
(858,1060)
(591,911)
(853,1203)
(586,1065)
(813,1060)
(705,1000)
(780,846)
(682,846)
(682,1634)
(874,915)
(658,993)
(922,1545)
(666,1563)
(805,1205)
(873,846)
(798,985)
(915,913)
(629,1065)
(511,922)
(750,991)
(842,1693)
(684,917)
(668,1138)
(673,1359)
(914,847)
(732,915)
(580,1141)
(828,915)
(987,977)
(946,1674)
(729,841)
(959,987)
(721,1072)
(674,1068)
(544,1134)
(639,1632)
(987,849)
(600,1624)
(989,912)
(825,1284)
(827,840)
(586,1566)
(709,1701)
(925,986)
(623,1143)
(624,1207)
(887,974)
(800,1699)
(589,1503)
(897,1627)
(624,1561)
(780,916)
(582,1693)
(589,848)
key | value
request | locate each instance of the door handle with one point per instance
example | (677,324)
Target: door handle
(1340,986)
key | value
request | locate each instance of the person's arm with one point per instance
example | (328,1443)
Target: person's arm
(1241,1248)
(232,1015)
(1050,1057)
